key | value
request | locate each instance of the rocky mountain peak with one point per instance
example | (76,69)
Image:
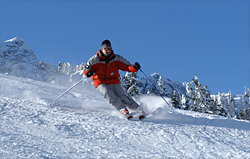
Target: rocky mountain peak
(17,58)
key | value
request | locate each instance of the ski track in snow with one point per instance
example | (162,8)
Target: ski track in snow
(83,125)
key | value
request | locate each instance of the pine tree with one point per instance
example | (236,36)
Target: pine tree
(200,99)
(244,111)
(131,83)
(184,102)
(221,105)
(190,97)
(248,106)
(231,105)
(176,101)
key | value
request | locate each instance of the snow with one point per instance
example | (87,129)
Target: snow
(82,124)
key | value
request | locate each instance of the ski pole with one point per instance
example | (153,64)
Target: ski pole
(155,87)
(66,91)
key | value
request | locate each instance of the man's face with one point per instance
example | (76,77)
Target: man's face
(107,51)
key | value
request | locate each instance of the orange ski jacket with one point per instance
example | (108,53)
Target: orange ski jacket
(106,69)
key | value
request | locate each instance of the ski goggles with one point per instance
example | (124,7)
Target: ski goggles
(108,48)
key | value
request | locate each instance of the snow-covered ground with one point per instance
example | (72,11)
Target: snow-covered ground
(83,125)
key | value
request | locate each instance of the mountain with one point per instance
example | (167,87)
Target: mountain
(17,58)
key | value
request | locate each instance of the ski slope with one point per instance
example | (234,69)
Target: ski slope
(83,125)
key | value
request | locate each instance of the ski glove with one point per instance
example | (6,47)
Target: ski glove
(137,66)
(89,74)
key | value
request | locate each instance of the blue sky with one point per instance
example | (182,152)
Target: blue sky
(176,38)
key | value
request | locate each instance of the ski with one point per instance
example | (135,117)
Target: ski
(137,115)
(129,117)
(141,117)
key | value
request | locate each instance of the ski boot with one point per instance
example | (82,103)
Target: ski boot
(125,112)
(142,114)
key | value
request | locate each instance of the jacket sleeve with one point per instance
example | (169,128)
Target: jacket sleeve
(88,67)
(125,65)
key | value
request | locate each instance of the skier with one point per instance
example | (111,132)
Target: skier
(104,68)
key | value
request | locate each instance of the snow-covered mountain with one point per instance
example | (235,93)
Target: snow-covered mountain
(136,85)
(18,58)
(82,124)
